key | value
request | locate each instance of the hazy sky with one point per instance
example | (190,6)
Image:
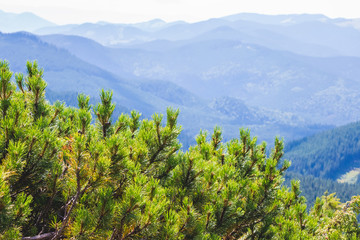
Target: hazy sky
(126,11)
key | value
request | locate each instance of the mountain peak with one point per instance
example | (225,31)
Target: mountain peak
(284,19)
(156,20)
(26,21)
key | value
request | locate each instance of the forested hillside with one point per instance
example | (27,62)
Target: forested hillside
(313,187)
(76,173)
(329,154)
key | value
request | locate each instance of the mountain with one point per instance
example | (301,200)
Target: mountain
(66,73)
(238,111)
(257,34)
(340,35)
(284,19)
(355,23)
(343,39)
(209,66)
(155,25)
(13,22)
(321,90)
(105,33)
(306,34)
(332,154)
(110,34)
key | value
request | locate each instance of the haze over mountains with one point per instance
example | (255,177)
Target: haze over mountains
(12,22)
(287,75)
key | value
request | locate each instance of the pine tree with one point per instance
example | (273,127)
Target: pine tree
(63,177)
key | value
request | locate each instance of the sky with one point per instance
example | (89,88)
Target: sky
(131,11)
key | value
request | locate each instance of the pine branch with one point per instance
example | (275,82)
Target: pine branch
(49,202)
(43,236)
(73,201)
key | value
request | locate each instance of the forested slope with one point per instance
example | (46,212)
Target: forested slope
(328,154)
(314,187)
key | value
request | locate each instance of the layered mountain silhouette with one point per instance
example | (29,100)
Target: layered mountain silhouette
(320,90)
(287,75)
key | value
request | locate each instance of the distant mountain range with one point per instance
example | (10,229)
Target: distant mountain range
(68,75)
(287,75)
(313,35)
(320,90)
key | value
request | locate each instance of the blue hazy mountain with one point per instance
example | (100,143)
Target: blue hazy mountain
(65,72)
(254,59)
(111,34)
(104,33)
(305,34)
(342,39)
(292,19)
(13,22)
(320,90)
(283,19)
(155,25)
(68,75)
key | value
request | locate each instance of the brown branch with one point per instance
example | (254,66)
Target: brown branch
(67,215)
(136,230)
(42,214)
(223,213)
(251,167)
(43,236)
(152,160)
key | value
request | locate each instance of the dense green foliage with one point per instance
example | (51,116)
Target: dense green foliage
(328,154)
(63,176)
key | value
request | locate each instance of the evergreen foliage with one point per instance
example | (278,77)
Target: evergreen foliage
(63,177)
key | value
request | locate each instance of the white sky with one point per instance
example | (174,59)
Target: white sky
(128,11)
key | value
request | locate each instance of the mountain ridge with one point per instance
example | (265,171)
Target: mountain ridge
(26,21)
(145,95)
(276,79)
